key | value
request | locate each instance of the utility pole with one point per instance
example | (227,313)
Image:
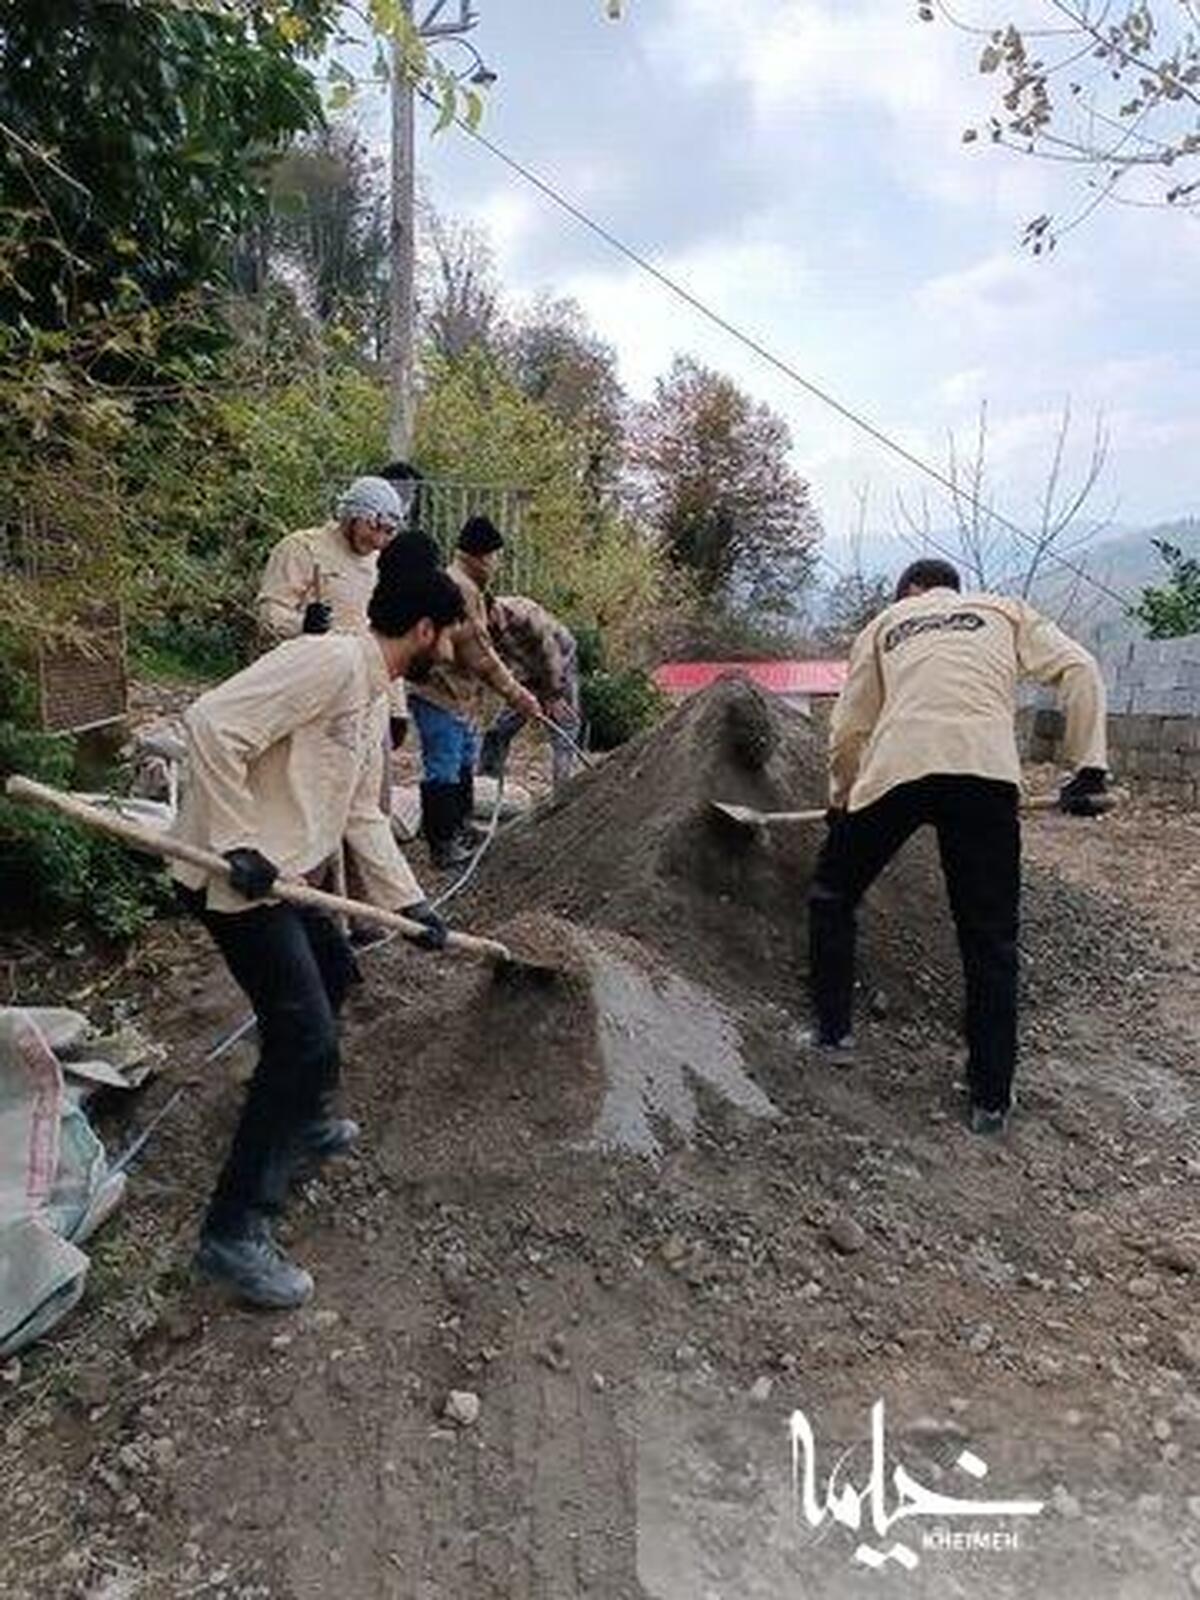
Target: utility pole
(402,345)
(403,252)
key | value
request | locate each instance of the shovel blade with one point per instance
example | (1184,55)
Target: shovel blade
(744,816)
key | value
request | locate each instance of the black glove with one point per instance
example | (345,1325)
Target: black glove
(398,728)
(834,817)
(1078,795)
(318,617)
(436,931)
(251,873)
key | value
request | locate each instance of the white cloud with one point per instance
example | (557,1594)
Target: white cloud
(852,232)
(1004,293)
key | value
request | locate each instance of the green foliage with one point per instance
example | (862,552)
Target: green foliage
(1172,610)
(50,867)
(718,488)
(474,424)
(213,483)
(854,600)
(619,705)
(145,129)
(328,222)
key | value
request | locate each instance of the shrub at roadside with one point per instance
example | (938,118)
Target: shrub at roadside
(51,868)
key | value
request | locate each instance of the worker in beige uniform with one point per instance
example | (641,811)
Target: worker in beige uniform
(924,733)
(284,767)
(446,707)
(319,580)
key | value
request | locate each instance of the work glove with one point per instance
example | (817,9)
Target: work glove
(318,617)
(398,730)
(250,873)
(1078,795)
(436,932)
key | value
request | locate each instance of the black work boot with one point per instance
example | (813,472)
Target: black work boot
(469,835)
(440,804)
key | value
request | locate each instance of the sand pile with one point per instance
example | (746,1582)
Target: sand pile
(680,946)
(635,847)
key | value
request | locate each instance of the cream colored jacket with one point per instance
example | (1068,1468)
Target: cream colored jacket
(318,564)
(932,688)
(286,757)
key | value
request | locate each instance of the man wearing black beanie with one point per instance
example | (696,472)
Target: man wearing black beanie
(446,706)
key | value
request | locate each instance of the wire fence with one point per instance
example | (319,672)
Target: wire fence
(443,505)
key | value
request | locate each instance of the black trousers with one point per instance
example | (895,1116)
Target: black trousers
(296,968)
(979,841)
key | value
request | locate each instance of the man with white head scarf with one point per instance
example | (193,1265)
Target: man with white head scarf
(319,580)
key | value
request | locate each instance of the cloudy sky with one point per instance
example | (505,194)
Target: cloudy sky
(799,164)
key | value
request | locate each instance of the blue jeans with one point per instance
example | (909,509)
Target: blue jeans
(449,744)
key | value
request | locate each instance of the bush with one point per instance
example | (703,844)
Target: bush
(52,868)
(618,705)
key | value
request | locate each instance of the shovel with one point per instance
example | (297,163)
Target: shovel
(293,893)
(747,817)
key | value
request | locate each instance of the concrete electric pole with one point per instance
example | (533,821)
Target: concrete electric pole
(435,25)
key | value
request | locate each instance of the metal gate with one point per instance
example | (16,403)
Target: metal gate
(443,505)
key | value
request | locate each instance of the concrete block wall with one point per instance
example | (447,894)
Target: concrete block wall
(1153,720)
(1154,677)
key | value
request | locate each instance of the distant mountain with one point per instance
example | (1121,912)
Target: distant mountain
(1124,562)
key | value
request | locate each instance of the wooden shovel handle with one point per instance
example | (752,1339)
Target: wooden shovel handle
(296,894)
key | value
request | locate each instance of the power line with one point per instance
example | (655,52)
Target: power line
(682,292)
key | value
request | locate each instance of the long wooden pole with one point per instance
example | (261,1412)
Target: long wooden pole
(297,894)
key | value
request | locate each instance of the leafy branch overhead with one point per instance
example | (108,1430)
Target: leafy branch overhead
(1109,89)
(1172,610)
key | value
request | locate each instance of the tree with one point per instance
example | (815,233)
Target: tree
(459,296)
(857,596)
(475,425)
(557,360)
(713,480)
(1173,610)
(326,234)
(991,553)
(1109,88)
(143,131)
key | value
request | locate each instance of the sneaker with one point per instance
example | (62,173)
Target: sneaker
(446,854)
(318,1141)
(840,1049)
(988,1124)
(326,1137)
(254,1267)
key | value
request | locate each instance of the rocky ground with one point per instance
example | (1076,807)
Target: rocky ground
(543,1363)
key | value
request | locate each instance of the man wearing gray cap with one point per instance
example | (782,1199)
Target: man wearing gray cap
(319,580)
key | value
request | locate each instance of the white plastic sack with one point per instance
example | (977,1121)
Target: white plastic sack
(55,1186)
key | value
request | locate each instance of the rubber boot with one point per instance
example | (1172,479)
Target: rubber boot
(440,804)
(469,835)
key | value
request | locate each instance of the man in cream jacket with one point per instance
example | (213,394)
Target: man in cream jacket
(285,764)
(319,580)
(924,733)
